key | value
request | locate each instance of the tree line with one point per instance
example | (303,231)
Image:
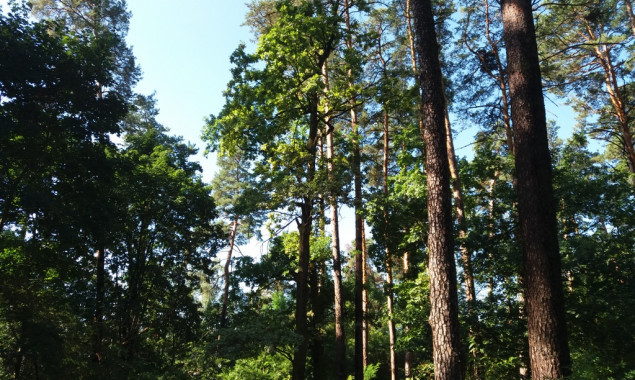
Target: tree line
(117,259)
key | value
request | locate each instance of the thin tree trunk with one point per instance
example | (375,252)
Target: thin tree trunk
(304,230)
(317,341)
(457,194)
(444,320)
(631,15)
(365,326)
(98,320)
(498,76)
(490,234)
(392,333)
(413,58)
(17,366)
(359,221)
(408,355)
(301,328)
(340,339)
(544,299)
(226,272)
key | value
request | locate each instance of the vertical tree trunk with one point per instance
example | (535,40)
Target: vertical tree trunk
(392,333)
(98,320)
(226,272)
(365,327)
(631,15)
(301,328)
(359,222)
(544,299)
(340,339)
(304,230)
(441,267)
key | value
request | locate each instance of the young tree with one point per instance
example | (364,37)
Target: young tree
(544,300)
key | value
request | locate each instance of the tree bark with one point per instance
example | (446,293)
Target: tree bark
(448,364)
(340,339)
(98,320)
(631,15)
(304,230)
(226,272)
(544,299)
(360,352)
(301,279)
(392,332)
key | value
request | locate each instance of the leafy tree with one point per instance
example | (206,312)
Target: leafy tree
(591,61)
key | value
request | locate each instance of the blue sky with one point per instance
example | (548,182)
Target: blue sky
(183,50)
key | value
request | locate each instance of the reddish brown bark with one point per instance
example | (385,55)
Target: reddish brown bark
(340,338)
(544,299)
(444,321)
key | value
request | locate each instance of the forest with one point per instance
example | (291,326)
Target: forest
(517,261)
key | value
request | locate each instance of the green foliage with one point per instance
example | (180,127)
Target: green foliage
(266,366)
(66,191)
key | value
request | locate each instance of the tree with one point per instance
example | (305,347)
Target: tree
(590,61)
(238,201)
(441,267)
(544,300)
(284,129)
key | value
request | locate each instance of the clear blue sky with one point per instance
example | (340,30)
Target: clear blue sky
(183,49)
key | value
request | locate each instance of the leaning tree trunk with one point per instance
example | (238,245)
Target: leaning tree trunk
(544,299)
(441,267)
(226,272)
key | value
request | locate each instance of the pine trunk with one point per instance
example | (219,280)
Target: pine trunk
(340,339)
(304,230)
(544,299)
(441,266)
(360,257)
(99,307)
(226,272)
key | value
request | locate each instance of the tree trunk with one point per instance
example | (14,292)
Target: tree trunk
(631,15)
(98,320)
(340,339)
(317,341)
(301,328)
(392,333)
(441,267)
(457,194)
(360,257)
(365,327)
(498,75)
(304,230)
(226,272)
(544,299)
